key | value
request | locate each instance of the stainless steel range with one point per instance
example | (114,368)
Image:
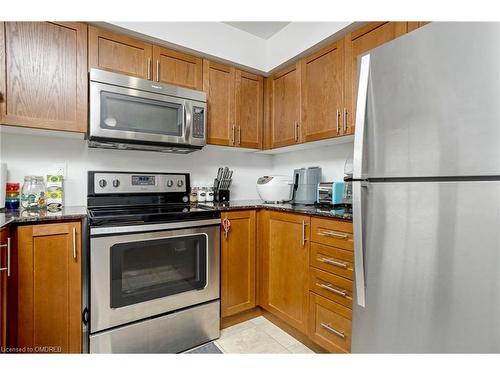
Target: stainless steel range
(154,264)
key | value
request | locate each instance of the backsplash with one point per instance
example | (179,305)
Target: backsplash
(37,155)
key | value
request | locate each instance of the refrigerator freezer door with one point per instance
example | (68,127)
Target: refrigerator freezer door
(432,268)
(433,103)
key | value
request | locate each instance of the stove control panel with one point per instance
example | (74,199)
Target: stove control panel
(126,183)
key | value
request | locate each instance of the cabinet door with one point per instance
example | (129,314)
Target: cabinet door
(357,43)
(4,265)
(285,107)
(43,75)
(285,242)
(119,53)
(249,109)
(322,93)
(49,286)
(177,68)
(238,263)
(218,82)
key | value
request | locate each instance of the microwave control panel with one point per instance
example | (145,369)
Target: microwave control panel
(198,122)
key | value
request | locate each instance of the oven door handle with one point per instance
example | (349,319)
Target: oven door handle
(152,227)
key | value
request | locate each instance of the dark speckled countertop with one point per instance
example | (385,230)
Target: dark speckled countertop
(25,217)
(287,207)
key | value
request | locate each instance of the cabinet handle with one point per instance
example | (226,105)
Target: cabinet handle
(345,121)
(304,239)
(329,233)
(329,327)
(295,131)
(239,135)
(7,245)
(333,262)
(337,121)
(74,243)
(233,141)
(297,126)
(149,67)
(330,288)
(157,70)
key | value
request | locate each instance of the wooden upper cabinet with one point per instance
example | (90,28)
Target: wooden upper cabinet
(249,109)
(43,75)
(238,263)
(322,93)
(177,68)
(218,83)
(285,258)
(357,43)
(285,107)
(49,298)
(119,53)
(416,24)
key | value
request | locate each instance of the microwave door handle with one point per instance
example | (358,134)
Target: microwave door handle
(187,121)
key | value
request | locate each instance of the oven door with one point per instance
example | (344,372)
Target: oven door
(128,115)
(139,275)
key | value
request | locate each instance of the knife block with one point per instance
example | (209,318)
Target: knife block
(222,196)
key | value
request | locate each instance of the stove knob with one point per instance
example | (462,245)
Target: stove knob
(116,183)
(180,183)
(102,183)
(170,183)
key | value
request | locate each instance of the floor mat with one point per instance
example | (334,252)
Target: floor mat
(209,348)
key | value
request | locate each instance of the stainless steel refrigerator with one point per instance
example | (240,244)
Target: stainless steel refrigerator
(426,196)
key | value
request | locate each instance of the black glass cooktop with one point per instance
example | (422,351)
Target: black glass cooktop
(144,214)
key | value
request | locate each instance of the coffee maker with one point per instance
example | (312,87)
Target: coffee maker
(305,185)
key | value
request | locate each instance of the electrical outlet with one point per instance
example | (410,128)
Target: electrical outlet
(60,169)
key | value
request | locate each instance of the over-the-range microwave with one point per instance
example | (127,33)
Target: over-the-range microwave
(132,113)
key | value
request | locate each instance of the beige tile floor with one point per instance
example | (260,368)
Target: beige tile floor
(258,336)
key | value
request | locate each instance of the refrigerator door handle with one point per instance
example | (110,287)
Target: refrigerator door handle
(357,220)
(359,134)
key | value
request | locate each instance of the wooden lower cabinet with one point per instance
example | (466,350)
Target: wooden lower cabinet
(5,250)
(285,265)
(49,312)
(329,324)
(238,263)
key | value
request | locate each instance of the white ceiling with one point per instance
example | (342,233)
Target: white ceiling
(263,30)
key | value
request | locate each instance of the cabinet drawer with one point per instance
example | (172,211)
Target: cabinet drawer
(332,232)
(331,259)
(330,286)
(329,324)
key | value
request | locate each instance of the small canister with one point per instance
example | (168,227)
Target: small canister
(202,194)
(193,195)
(210,194)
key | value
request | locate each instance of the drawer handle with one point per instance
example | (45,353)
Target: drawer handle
(330,233)
(333,262)
(329,327)
(330,288)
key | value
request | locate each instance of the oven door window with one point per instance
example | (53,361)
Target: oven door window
(146,270)
(130,113)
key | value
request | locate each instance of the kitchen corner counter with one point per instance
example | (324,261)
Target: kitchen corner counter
(32,217)
(286,207)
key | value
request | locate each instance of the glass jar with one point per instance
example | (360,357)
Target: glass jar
(210,194)
(193,196)
(202,194)
(33,193)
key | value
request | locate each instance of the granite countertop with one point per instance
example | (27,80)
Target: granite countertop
(21,217)
(287,207)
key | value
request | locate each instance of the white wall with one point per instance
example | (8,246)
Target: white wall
(36,155)
(331,159)
(28,154)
